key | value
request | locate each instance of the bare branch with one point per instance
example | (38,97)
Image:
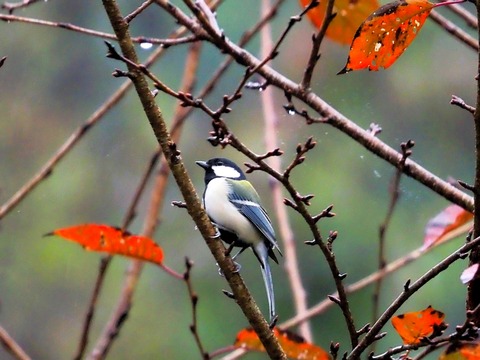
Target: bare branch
(11,345)
(73,139)
(454,30)
(332,116)
(406,293)
(194,301)
(244,299)
(139,39)
(287,235)
(461,103)
(466,15)
(317,42)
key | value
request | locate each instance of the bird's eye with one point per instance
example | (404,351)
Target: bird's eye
(220,163)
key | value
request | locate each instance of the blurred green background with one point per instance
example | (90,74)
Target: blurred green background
(54,79)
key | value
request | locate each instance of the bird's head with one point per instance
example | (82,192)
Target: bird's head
(221,167)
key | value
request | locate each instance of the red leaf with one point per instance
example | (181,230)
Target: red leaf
(449,223)
(350,14)
(104,238)
(386,33)
(414,326)
(294,346)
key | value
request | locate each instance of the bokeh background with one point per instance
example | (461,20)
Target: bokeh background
(54,79)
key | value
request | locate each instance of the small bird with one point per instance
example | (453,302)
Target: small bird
(234,207)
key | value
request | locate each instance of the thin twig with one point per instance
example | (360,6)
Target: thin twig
(271,129)
(326,304)
(61,25)
(466,15)
(331,115)
(138,11)
(462,104)
(473,289)
(194,301)
(150,223)
(394,196)
(300,203)
(12,346)
(454,30)
(105,262)
(76,136)
(317,42)
(205,227)
(408,291)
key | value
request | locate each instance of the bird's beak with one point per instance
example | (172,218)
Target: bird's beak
(202,164)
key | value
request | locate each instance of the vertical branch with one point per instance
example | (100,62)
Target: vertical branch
(158,195)
(394,196)
(291,261)
(317,42)
(194,207)
(473,293)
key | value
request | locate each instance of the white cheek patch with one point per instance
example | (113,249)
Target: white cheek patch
(226,171)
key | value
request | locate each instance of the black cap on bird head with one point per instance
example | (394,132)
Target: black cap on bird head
(221,167)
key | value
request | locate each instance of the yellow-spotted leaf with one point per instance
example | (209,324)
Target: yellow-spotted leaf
(386,33)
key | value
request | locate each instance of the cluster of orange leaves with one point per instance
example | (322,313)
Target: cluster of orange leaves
(378,35)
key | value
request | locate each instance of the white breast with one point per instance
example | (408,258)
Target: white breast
(225,214)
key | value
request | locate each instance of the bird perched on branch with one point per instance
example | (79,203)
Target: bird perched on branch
(234,207)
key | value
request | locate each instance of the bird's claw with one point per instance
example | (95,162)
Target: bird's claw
(217,234)
(238,267)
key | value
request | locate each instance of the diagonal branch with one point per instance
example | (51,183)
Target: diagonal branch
(11,345)
(76,136)
(331,115)
(409,290)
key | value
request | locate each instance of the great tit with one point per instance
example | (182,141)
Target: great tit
(234,208)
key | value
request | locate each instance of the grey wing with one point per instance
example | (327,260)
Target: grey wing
(257,216)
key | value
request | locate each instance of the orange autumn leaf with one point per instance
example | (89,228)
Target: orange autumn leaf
(386,33)
(414,326)
(350,14)
(295,347)
(462,351)
(471,352)
(449,223)
(104,238)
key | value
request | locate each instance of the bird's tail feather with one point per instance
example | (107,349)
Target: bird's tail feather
(267,279)
(261,253)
